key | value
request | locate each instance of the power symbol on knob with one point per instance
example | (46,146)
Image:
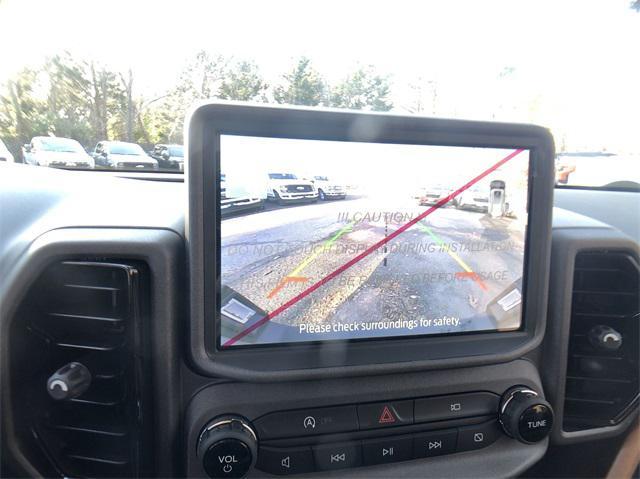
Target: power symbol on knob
(227,447)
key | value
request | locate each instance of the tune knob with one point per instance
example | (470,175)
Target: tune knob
(227,447)
(524,415)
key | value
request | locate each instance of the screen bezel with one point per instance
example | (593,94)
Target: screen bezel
(370,355)
(390,337)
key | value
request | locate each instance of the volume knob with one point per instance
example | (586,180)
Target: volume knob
(525,416)
(227,447)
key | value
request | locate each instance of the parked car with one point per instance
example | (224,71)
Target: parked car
(241,203)
(5,154)
(123,156)
(475,198)
(237,198)
(288,188)
(169,157)
(328,189)
(431,195)
(56,152)
(223,186)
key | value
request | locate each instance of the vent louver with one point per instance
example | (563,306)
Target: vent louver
(88,312)
(602,383)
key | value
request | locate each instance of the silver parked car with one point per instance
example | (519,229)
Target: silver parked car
(56,152)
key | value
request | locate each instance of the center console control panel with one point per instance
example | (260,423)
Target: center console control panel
(353,435)
(407,422)
(375,433)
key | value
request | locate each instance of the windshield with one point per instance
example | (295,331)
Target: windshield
(462,60)
(321,178)
(125,149)
(282,176)
(61,145)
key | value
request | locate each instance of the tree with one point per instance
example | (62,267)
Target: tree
(68,98)
(243,82)
(106,103)
(22,114)
(423,97)
(303,86)
(130,108)
(363,89)
(201,79)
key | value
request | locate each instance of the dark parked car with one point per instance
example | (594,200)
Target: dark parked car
(170,157)
(121,155)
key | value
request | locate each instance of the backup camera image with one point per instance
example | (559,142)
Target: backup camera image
(327,240)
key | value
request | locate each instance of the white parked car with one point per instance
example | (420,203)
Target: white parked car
(329,189)
(56,152)
(234,199)
(5,154)
(288,188)
(123,156)
(431,195)
(475,198)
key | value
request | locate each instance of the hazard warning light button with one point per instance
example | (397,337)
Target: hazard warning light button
(385,414)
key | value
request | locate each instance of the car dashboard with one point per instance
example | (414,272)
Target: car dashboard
(94,270)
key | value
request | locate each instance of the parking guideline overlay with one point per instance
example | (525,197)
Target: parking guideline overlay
(369,250)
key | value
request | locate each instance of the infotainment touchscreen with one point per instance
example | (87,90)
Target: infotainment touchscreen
(332,241)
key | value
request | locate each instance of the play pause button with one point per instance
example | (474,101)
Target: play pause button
(384,450)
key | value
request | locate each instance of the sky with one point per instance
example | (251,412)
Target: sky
(386,170)
(570,65)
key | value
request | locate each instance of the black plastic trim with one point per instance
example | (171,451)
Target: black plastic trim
(205,125)
(567,243)
(243,399)
(162,251)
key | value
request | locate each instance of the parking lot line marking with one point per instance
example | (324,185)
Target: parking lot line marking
(369,250)
(294,274)
(468,271)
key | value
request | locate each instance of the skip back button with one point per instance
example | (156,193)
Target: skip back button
(337,456)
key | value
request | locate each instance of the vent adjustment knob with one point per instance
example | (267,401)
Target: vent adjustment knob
(227,447)
(524,415)
(69,382)
(605,338)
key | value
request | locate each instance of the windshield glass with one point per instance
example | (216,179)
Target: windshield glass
(125,149)
(282,176)
(462,60)
(62,145)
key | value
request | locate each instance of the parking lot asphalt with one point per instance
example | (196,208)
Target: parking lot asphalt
(450,265)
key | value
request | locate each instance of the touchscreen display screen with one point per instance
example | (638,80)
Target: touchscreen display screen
(333,241)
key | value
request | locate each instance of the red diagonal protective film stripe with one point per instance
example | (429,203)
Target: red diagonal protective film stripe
(368,251)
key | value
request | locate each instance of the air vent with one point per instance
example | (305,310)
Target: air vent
(91,313)
(602,368)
